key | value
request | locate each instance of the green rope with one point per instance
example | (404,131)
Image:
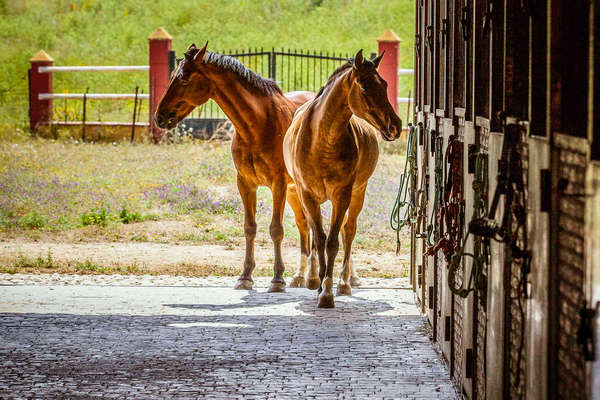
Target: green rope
(405,199)
(479,256)
(433,233)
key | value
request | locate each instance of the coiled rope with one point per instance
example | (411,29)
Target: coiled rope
(404,210)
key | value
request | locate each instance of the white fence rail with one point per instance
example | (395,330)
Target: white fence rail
(50,96)
(83,68)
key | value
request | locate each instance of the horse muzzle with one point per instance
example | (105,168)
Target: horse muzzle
(392,132)
(165,122)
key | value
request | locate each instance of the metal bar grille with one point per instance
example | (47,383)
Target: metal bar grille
(516,310)
(569,360)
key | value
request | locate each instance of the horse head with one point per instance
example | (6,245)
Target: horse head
(368,98)
(188,88)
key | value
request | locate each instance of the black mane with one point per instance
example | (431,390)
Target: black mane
(335,74)
(227,63)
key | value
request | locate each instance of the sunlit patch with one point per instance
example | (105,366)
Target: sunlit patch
(210,325)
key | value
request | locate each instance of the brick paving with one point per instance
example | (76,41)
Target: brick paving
(84,340)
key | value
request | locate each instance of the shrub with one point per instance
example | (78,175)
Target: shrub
(40,262)
(95,217)
(32,220)
(87,265)
(127,217)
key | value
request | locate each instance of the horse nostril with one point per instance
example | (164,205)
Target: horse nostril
(160,120)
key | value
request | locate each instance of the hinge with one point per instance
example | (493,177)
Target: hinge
(432,143)
(464,23)
(469,364)
(418,45)
(447,329)
(545,190)
(473,150)
(429,37)
(421,134)
(444,32)
(430,298)
(585,333)
(487,18)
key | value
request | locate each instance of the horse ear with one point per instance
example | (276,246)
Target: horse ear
(200,54)
(190,51)
(358,59)
(377,59)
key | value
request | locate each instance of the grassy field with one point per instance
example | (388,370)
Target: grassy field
(109,32)
(74,192)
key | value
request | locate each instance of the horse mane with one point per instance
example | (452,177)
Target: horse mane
(335,74)
(227,63)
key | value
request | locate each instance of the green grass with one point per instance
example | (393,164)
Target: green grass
(114,192)
(114,32)
(25,262)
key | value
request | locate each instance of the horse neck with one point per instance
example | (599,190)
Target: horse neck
(247,108)
(334,109)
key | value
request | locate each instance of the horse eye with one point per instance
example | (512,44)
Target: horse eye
(363,89)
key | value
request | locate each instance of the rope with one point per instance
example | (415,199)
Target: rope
(480,250)
(405,199)
(433,233)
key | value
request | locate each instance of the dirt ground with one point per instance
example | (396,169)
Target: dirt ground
(47,254)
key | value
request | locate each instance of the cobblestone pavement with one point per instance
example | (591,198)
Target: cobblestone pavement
(81,339)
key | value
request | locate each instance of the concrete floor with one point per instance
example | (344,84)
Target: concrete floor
(116,340)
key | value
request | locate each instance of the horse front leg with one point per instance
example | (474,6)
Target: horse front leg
(340,203)
(292,197)
(348,277)
(248,194)
(276,230)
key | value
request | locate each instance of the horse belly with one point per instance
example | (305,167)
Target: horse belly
(254,167)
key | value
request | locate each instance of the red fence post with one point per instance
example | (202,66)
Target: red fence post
(160,45)
(388,69)
(40,111)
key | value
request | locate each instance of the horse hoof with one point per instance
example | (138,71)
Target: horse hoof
(277,287)
(325,300)
(243,284)
(343,289)
(354,281)
(298,281)
(313,283)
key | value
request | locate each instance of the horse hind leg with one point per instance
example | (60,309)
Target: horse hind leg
(276,230)
(248,194)
(299,280)
(313,214)
(313,281)
(348,277)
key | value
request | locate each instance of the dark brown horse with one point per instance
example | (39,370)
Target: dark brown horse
(330,153)
(261,114)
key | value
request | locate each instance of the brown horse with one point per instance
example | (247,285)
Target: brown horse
(330,153)
(261,114)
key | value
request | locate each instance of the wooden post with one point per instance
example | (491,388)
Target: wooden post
(388,69)
(40,111)
(160,45)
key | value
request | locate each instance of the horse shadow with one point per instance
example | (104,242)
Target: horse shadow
(305,300)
